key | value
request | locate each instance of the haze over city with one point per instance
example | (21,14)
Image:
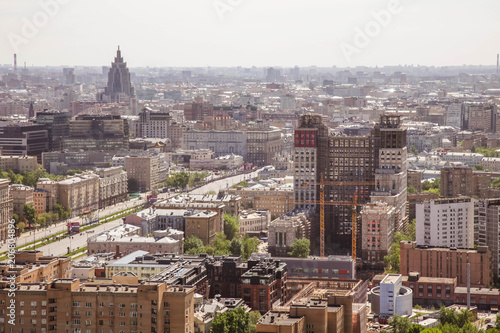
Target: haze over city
(253,33)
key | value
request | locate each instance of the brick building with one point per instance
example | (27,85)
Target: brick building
(68,304)
(5,207)
(264,284)
(447,263)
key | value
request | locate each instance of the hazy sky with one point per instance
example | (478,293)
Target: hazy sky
(251,32)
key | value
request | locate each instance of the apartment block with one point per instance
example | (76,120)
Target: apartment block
(113,186)
(278,201)
(148,171)
(220,142)
(97,132)
(21,195)
(18,164)
(456,182)
(487,228)
(447,263)
(264,284)
(80,193)
(5,207)
(415,180)
(378,227)
(446,222)
(68,304)
(263,145)
(204,225)
(34,267)
(253,222)
(24,139)
(152,124)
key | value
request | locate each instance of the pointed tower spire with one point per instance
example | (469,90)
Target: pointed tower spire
(31,112)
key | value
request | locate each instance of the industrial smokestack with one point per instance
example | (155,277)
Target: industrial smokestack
(15,63)
(498,63)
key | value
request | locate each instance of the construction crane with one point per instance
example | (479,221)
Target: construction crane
(354,204)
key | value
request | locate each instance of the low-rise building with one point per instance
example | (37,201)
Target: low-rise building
(253,222)
(34,267)
(126,239)
(18,164)
(391,297)
(284,230)
(447,263)
(162,307)
(263,286)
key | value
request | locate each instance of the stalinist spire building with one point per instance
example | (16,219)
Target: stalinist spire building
(119,87)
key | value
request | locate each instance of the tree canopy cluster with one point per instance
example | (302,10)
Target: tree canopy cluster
(226,243)
(300,248)
(449,322)
(392,259)
(236,321)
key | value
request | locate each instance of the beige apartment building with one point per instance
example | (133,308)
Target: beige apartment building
(377,227)
(5,207)
(203,225)
(68,305)
(18,164)
(80,193)
(278,201)
(21,194)
(145,170)
(113,186)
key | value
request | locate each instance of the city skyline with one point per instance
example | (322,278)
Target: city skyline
(223,33)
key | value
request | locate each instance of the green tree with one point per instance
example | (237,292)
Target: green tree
(411,189)
(72,172)
(133,185)
(211,193)
(300,248)
(29,214)
(15,217)
(21,226)
(400,324)
(250,245)
(495,183)
(42,221)
(497,322)
(178,180)
(231,226)
(430,330)
(236,321)
(253,318)
(193,246)
(221,244)
(392,259)
(30,178)
(479,167)
(236,247)
(413,150)
(415,328)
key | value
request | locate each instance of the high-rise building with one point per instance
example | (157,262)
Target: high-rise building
(378,227)
(97,132)
(454,115)
(119,86)
(446,222)
(263,145)
(57,123)
(456,182)
(370,166)
(391,174)
(22,139)
(487,228)
(152,124)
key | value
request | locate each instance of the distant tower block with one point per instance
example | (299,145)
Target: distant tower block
(15,63)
